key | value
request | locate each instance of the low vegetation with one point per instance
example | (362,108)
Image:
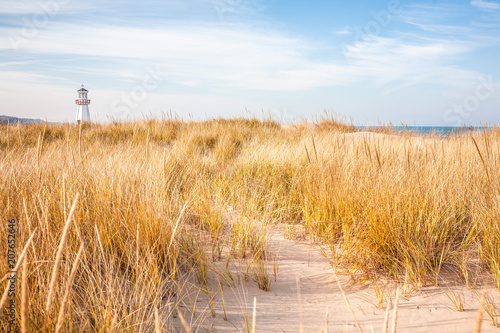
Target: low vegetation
(125,215)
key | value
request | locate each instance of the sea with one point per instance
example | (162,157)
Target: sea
(431,130)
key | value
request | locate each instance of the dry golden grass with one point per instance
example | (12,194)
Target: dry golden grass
(161,201)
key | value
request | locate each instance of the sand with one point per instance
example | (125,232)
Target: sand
(428,309)
(279,310)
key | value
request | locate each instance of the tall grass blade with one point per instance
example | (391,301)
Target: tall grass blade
(60,250)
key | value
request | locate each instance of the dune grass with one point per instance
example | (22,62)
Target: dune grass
(162,203)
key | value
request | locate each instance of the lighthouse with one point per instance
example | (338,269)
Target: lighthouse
(82,113)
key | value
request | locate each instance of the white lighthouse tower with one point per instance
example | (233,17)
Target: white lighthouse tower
(82,113)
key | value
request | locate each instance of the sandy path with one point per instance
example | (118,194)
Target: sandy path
(279,310)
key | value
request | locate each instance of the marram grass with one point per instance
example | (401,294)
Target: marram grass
(161,203)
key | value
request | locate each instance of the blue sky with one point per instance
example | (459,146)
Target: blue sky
(411,62)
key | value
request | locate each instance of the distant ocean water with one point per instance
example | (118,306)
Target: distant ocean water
(432,130)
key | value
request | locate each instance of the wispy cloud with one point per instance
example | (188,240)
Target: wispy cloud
(395,62)
(36,9)
(438,19)
(486,5)
(344,31)
(240,56)
(489,18)
(20,7)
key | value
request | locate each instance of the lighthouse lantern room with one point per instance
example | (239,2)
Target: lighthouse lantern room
(82,113)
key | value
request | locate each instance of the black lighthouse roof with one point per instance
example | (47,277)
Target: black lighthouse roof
(82,89)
